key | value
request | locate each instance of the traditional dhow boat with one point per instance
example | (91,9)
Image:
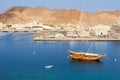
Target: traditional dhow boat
(85,56)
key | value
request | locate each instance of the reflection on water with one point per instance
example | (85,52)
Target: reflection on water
(75,61)
(6,33)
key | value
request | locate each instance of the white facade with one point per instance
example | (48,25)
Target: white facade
(117,21)
(47,27)
(2,25)
(59,35)
(101,29)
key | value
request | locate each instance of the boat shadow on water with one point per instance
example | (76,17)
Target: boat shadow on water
(75,61)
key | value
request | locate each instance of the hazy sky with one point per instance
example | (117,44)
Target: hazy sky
(84,5)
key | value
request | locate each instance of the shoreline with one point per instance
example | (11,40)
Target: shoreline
(69,39)
(76,39)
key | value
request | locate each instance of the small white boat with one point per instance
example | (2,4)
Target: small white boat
(49,66)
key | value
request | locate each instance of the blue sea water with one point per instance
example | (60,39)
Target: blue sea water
(21,58)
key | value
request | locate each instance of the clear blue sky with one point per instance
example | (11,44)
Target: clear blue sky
(84,5)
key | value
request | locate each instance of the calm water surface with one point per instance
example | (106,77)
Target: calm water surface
(21,58)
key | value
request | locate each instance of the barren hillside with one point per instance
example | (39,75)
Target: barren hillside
(57,16)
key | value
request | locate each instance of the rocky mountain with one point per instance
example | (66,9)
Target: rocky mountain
(58,16)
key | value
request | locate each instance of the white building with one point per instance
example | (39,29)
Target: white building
(117,21)
(45,27)
(2,25)
(101,29)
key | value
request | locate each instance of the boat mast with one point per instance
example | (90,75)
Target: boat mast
(89,47)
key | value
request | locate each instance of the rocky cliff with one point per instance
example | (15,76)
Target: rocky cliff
(58,16)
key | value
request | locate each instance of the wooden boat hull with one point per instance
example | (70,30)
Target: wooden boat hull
(83,57)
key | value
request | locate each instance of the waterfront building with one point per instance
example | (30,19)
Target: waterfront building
(117,21)
(2,26)
(101,30)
